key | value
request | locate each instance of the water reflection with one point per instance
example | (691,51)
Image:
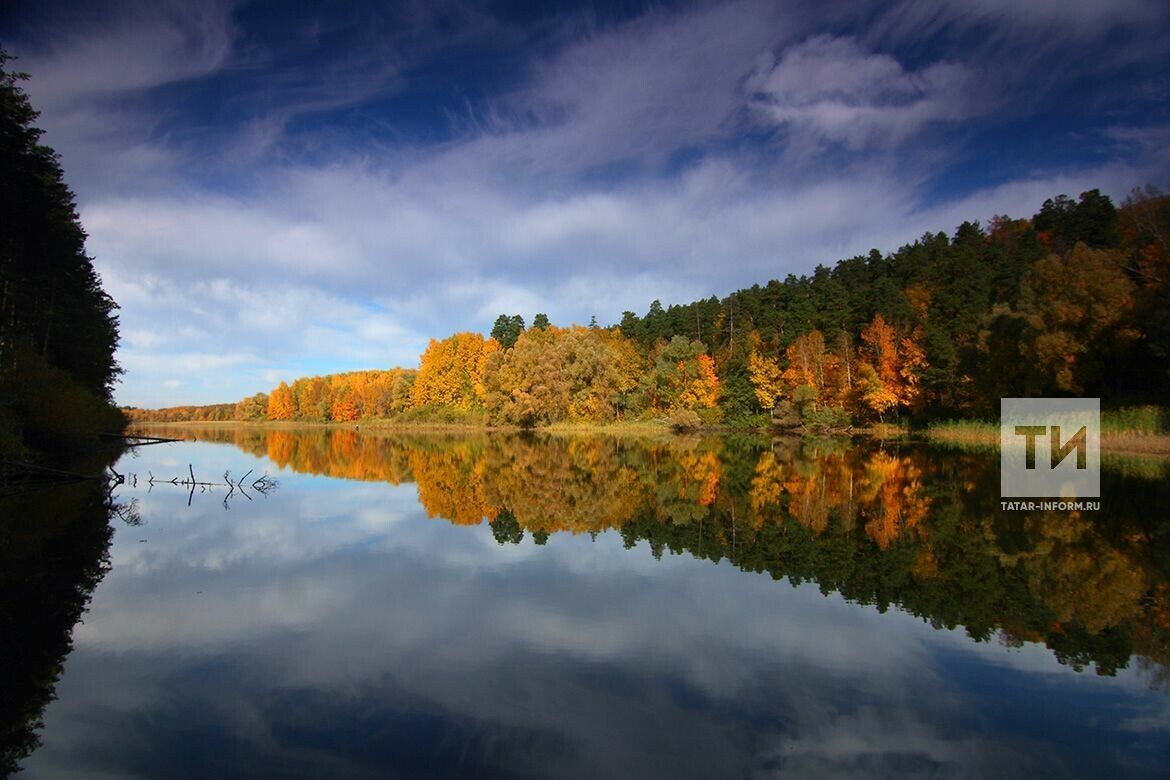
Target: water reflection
(53,547)
(332,629)
(886,525)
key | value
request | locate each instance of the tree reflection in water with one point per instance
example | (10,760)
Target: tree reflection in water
(887,525)
(54,548)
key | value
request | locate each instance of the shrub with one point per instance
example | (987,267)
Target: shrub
(685,420)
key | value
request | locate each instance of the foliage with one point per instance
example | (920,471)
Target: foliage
(555,374)
(57,324)
(766,379)
(451,372)
(508,329)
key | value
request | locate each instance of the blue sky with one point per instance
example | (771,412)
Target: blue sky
(273,189)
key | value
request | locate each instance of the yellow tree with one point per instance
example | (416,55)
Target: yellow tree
(281,405)
(528,384)
(451,371)
(810,367)
(767,380)
(700,384)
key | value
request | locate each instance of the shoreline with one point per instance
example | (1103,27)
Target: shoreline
(968,435)
(985,436)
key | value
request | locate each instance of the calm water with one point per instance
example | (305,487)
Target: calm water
(584,607)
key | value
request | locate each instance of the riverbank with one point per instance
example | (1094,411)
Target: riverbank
(630,428)
(1135,432)
(1141,431)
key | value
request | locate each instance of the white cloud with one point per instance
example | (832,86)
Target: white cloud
(834,90)
(130,47)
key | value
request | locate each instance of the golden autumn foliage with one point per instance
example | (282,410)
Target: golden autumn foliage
(347,397)
(889,367)
(553,374)
(451,372)
(699,384)
(810,372)
(281,405)
(881,377)
(682,376)
(766,378)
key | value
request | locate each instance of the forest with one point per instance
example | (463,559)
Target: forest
(58,327)
(1073,301)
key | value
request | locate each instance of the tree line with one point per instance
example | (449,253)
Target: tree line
(1073,301)
(58,327)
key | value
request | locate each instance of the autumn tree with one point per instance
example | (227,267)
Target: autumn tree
(527,385)
(555,373)
(281,405)
(252,408)
(889,368)
(451,372)
(810,366)
(1076,308)
(312,398)
(767,380)
(683,377)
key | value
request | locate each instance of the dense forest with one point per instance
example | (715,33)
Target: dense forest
(58,328)
(1073,301)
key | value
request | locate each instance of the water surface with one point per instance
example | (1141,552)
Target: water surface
(498,605)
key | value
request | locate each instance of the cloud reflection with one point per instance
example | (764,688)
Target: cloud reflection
(335,629)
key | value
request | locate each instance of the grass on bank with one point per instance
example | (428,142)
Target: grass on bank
(1142,430)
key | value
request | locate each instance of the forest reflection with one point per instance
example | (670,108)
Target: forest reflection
(54,547)
(888,525)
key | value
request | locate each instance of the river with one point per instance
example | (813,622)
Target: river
(583,606)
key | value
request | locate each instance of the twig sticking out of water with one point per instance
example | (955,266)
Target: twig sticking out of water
(262,485)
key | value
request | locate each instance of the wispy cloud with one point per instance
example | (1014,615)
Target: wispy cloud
(833,90)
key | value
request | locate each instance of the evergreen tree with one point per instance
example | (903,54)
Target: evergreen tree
(58,328)
(507,329)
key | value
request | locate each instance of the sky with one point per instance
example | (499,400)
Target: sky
(274,190)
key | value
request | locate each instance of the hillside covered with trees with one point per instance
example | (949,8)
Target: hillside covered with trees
(58,328)
(1073,301)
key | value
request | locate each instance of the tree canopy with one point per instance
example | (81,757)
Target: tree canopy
(58,327)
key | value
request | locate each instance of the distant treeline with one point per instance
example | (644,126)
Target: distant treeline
(58,330)
(1073,301)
